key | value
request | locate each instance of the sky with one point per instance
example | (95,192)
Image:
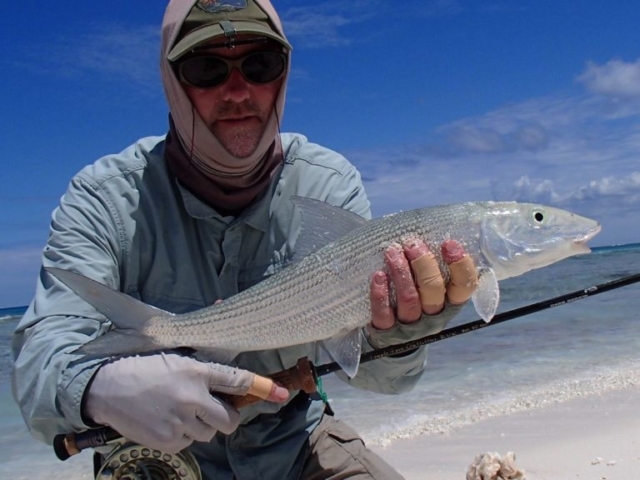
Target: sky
(435,101)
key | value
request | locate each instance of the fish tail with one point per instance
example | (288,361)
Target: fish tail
(118,342)
(127,314)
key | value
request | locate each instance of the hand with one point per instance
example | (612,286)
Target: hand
(163,401)
(419,289)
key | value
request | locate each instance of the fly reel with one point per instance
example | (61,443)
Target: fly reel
(130,461)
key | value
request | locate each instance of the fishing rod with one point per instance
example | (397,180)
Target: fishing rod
(305,376)
(478,324)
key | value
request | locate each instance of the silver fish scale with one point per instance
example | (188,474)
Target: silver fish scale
(325,294)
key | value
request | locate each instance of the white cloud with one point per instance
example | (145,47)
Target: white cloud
(488,139)
(579,152)
(471,138)
(621,190)
(531,137)
(615,78)
(116,53)
(625,187)
(327,24)
(132,52)
(315,29)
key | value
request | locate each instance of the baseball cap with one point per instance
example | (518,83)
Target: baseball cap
(213,18)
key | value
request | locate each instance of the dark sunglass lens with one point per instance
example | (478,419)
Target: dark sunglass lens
(263,67)
(204,71)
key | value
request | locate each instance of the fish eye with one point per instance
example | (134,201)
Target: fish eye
(538,216)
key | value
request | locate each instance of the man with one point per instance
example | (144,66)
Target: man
(183,221)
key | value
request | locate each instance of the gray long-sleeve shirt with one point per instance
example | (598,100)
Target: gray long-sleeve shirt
(126,222)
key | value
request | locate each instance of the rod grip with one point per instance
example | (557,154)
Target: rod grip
(66,445)
(298,377)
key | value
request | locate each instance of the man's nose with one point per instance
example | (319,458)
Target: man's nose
(235,88)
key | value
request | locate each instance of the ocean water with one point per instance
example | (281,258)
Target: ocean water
(581,348)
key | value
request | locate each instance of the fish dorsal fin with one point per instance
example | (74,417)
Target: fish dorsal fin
(487,294)
(345,350)
(124,311)
(322,224)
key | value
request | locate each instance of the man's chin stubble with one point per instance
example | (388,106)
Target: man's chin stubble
(240,144)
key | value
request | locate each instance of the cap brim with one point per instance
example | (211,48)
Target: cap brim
(209,32)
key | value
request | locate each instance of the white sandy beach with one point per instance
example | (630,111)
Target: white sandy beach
(590,437)
(585,428)
(595,437)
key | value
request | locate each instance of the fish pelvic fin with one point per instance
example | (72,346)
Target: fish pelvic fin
(487,295)
(127,314)
(345,350)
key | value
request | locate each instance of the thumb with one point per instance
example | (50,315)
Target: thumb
(236,381)
(226,379)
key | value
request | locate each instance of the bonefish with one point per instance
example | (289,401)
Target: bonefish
(324,294)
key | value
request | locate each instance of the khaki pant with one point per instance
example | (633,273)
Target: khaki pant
(337,452)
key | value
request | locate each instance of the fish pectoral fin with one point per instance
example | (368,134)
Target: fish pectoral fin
(345,350)
(487,295)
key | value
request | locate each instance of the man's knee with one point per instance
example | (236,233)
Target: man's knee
(337,452)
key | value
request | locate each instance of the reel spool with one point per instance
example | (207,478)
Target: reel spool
(135,462)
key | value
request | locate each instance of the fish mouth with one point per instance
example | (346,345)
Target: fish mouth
(580,243)
(588,236)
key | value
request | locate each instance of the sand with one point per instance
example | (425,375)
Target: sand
(569,432)
(588,437)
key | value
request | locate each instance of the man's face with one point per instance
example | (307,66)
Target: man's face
(236,111)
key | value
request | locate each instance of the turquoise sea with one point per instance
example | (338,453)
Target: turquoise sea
(573,349)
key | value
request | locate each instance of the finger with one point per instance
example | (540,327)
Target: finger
(267,389)
(428,277)
(408,309)
(236,381)
(278,393)
(382,315)
(225,379)
(198,430)
(464,275)
(219,415)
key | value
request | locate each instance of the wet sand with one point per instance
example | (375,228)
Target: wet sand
(589,437)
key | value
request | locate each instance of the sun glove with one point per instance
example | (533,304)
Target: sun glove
(163,401)
(407,332)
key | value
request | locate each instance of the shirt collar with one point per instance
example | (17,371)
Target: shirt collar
(256,215)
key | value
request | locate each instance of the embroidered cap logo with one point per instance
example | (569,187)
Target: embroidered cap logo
(217,6)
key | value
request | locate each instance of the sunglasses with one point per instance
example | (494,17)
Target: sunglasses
(208,71)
